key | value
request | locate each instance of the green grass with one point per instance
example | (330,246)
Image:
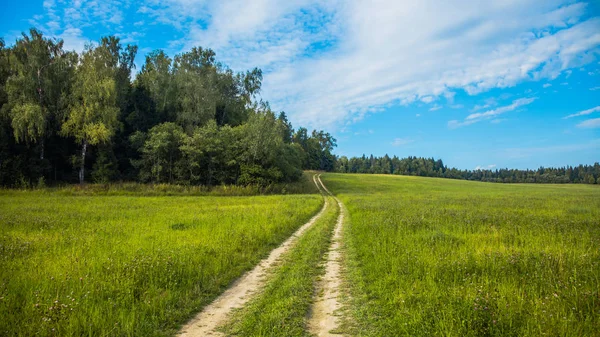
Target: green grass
(96,265)
(433,257)
(282,308)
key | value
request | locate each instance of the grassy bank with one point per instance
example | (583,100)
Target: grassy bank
(441,257)
(75,265)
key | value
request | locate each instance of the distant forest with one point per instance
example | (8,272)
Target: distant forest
(429,167)
(69,117)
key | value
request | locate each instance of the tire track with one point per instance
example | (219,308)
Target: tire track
(217,313)
(323,317)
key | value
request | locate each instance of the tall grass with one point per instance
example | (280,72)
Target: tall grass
(431,257)
(304,185)
(75,265)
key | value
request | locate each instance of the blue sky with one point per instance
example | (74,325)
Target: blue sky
(477,83)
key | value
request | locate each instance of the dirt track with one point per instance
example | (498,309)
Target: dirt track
(216,314)
(323,317)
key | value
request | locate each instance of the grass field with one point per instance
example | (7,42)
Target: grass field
(74,264)
(436,257)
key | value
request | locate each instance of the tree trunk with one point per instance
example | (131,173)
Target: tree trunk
(42,149)
(41,102)
(170,167)
(82,167)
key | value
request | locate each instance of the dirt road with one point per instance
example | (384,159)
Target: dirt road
(216,314)
(323,318)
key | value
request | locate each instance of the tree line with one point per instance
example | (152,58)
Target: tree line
(74,117)
(429,167)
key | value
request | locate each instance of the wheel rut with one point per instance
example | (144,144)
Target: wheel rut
(323,319)
(214,315)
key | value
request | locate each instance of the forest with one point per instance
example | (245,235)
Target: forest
(68,117)
(429,167)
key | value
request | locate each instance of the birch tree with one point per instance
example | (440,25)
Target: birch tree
(35,64)
(93,116)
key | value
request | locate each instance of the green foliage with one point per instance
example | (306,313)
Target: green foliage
(82,264)
(28,121)
(317,149)
(33,64)
(429,167)
(105,166)
(435,257)
(93,115)
(187,120)
(160,152)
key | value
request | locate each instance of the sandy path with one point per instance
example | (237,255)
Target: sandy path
(323,319)
(216,314)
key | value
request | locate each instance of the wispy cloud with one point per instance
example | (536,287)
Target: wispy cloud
(595,88)
(402,141)
(488,167)
(66,19)
(590,124)
(583,113)
(435,107)
(330,62)
(490,114)
(547,85)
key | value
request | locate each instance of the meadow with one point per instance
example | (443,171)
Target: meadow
(439,257)
(77,263)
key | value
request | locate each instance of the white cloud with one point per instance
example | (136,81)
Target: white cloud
(547,85)
(595,88)
(491,114)
(427,99)
(402,141)
(490,102)
(73,39)
(475,49)
(418,115)
(328,63)
(67,19)
(590,124)
(584,112)
(489,167)
(435,107)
